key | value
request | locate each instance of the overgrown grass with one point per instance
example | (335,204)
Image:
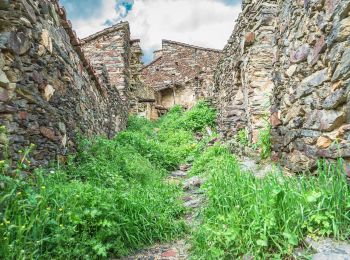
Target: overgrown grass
(267,218)
(110,199)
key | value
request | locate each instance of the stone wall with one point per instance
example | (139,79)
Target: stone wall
(110,48)
(142,97)
(311,105)
(243,82)
(289,61)
(180,73)
(48,90)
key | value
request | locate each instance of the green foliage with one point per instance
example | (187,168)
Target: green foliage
(193,120)
(267,217)
(264,143)
(243,137)
(110,199)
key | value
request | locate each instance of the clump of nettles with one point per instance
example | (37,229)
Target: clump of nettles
(110,199)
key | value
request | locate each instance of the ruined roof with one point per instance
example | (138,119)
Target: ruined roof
(151,63)
(116,27)
(190,46)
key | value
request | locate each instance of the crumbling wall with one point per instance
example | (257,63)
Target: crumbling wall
(183,70)
(311,105)
(294,54)
(142,97)
(111,48)
(48,90)
(243,82)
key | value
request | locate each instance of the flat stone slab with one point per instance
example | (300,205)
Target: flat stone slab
(194,182)
(327,249)
(180,174)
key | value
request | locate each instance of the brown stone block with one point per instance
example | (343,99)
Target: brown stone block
(48,133)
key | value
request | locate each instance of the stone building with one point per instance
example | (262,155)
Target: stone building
(49,91)
(289,62)
(180,74)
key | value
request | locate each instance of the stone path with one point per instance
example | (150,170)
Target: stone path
(193,200)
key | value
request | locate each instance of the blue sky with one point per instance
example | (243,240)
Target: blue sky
(206,23)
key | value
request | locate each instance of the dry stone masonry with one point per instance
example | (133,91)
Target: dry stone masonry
(286,65)
(49,92)
(180,73)
(289,60)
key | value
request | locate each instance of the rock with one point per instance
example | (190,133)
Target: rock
(194,182)
(48,133)
(335,99)
(343,68)
(275,120)
(323,142)
(308,85)
(179,174)
(330,256)
(343,30)
(193,203)
(169,253)
(329,249)
(4,95)
(300,54)
(4,4)
(4,81)
(48,92)
(29,11)
(46,40)
(185,167)
(22,115)
(18,42)
(62,127)
(324,120)
(249,39)
(320,46)
(291,70)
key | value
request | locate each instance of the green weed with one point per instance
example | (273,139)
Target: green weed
(111,197)
(267,218)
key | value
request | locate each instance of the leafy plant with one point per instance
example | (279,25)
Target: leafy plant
(243,137)
(110,199)
(267,218)
(264,144)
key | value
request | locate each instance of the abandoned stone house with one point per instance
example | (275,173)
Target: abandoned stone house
(180,74)
(285,66)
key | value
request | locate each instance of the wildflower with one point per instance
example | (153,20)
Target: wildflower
(61,226)
(23,227)
(48,208)
(2,162)
(52,172)
(43,187)
(7,222)
(19,193)
(60,209)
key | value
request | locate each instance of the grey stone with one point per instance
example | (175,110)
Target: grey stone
(335,99)
(4,81)
(328,249)
(4,4)
(308,85)
(194,182)
(324,120)
(300,54)
(179,174)
(343,68)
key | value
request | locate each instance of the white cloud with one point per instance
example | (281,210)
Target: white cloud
(206,23)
